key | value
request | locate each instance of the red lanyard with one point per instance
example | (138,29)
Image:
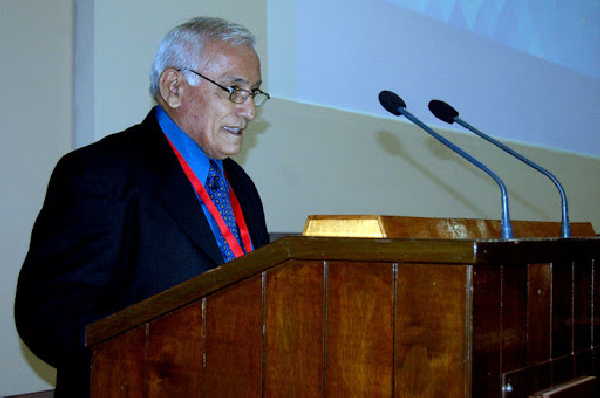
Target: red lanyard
(233,243)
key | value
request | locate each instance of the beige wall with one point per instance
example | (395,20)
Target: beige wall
(35,76)
(125,37)
(308,159)
(37,113)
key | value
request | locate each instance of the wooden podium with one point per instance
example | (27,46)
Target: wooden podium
(366,317)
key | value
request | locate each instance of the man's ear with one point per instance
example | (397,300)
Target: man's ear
(171,87)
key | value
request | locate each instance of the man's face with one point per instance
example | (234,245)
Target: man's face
(206,114)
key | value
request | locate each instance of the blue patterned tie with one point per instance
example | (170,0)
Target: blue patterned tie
(217,189)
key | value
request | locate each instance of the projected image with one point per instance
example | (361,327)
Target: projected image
(508,65)
(563,32)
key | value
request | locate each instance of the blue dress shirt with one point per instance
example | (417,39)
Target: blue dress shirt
(193,155)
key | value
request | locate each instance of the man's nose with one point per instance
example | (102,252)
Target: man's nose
(247,109)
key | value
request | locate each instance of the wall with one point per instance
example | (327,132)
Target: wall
(496,61)
(333,149)
(113,49)
(118,58)
(35,106)
(326,161)
(305,158)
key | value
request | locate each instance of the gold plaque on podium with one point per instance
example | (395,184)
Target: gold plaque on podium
(378,226)
(354,226)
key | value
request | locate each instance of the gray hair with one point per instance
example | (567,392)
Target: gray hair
(181,48)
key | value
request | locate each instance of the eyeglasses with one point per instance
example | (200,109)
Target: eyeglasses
(236,94)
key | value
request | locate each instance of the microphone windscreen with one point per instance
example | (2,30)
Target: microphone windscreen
(391,102)
(442,111)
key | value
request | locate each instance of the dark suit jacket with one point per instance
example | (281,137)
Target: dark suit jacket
(120,223)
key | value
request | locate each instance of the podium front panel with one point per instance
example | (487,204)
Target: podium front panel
(337,317)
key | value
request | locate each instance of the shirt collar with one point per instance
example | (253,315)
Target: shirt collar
(189,149)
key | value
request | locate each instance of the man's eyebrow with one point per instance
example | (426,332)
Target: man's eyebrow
(243,81)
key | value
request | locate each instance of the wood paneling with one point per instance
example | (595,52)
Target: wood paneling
(233,341)
(515,384)
(359,330)
(431,316)
(311,317)
(524,382)
(582,305)
(539,291)
(294,247)
(584,364)
(118,366)
(174,354)
(472,228)
(578,388)
(562,301)
(596,303)
(514,316)
(294,330)
(487,329)
(563,369)
(533,251)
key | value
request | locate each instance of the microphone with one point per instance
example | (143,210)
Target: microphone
(447,113)
(395,105)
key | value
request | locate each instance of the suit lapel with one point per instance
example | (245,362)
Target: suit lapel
(176,194)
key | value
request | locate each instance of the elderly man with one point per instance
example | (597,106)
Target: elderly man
(150,207)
